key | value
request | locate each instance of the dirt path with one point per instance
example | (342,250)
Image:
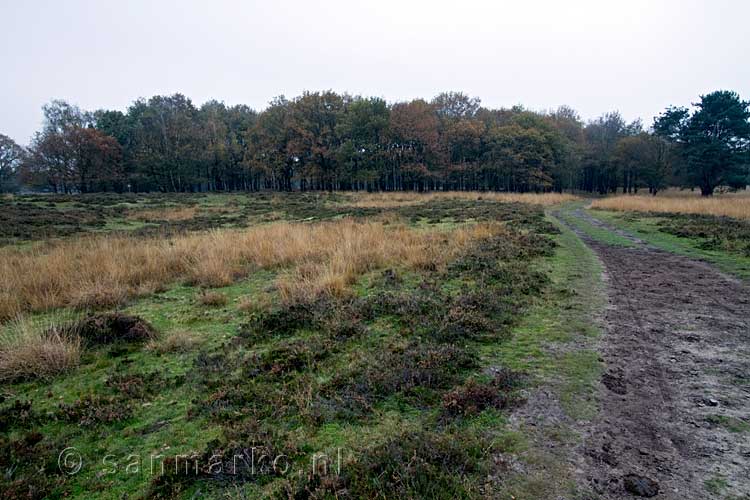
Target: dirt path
(675,395)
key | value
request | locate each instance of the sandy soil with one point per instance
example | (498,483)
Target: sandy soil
(674,399)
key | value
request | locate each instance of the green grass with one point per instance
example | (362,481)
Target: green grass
(121,224)
(646,227)
(541,329)
(554,344)
(596,233)
(562,316)
(716,485)
(132,442)
(732,424)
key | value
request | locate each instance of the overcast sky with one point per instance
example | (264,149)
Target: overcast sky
(628,55)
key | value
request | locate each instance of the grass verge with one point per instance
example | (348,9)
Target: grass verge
(555,344)
(603,235)
(661,232)
(736,205)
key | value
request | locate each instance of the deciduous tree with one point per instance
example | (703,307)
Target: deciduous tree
(11,157)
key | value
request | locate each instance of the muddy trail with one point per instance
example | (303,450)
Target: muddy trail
(674,398)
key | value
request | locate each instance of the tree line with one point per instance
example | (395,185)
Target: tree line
(331,141)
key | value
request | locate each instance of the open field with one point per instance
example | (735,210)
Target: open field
(736,205)
(267,290)
(42,217)
(317,259)
(714,229)
(346,346)
(336,332)
(390,200)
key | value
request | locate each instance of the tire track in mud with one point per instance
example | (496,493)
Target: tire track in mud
(674,399)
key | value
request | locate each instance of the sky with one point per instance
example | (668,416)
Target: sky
(633,56)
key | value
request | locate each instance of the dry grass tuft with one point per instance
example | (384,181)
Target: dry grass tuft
(401,199)
(167,214)
(737,206)
(255,304)
(177,341)
(212,299)
(29,350)
(108,269)
(355,253)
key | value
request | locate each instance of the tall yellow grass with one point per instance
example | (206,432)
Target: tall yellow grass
(726,205)
(320,258)
(29,350)
(350,255)
(399,199)
(168,214)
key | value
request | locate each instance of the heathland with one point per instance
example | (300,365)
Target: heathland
(359,345)
(356,332)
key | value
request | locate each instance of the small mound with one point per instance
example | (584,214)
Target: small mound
(107,328)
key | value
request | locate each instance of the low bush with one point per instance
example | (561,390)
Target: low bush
(474,396)
(255,304)
(134,385)
(107,328)
(413,370)
(290,356)
(246,452)
(92,410)
(235,400)
(19,413)
(340,318)
(714,233)
(30,469)
(415,464)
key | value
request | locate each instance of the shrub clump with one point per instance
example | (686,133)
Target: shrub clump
(339,318)
(29,466)
(246,452)
(134,386)
(485,310)
(292,356)
(283,321)
(177,341)
(416,464)
(474,396)
(107,328)
(92,410)
(234,400)
(212,370)
(714,233)
(19,413)
(414,370)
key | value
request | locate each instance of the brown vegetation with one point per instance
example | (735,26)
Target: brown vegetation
(212,299)
(28,350)
(167,214)
(474,396)
(400,199)
(109,328)
(326,257)
(737,206)
(177,341)
(91,410)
